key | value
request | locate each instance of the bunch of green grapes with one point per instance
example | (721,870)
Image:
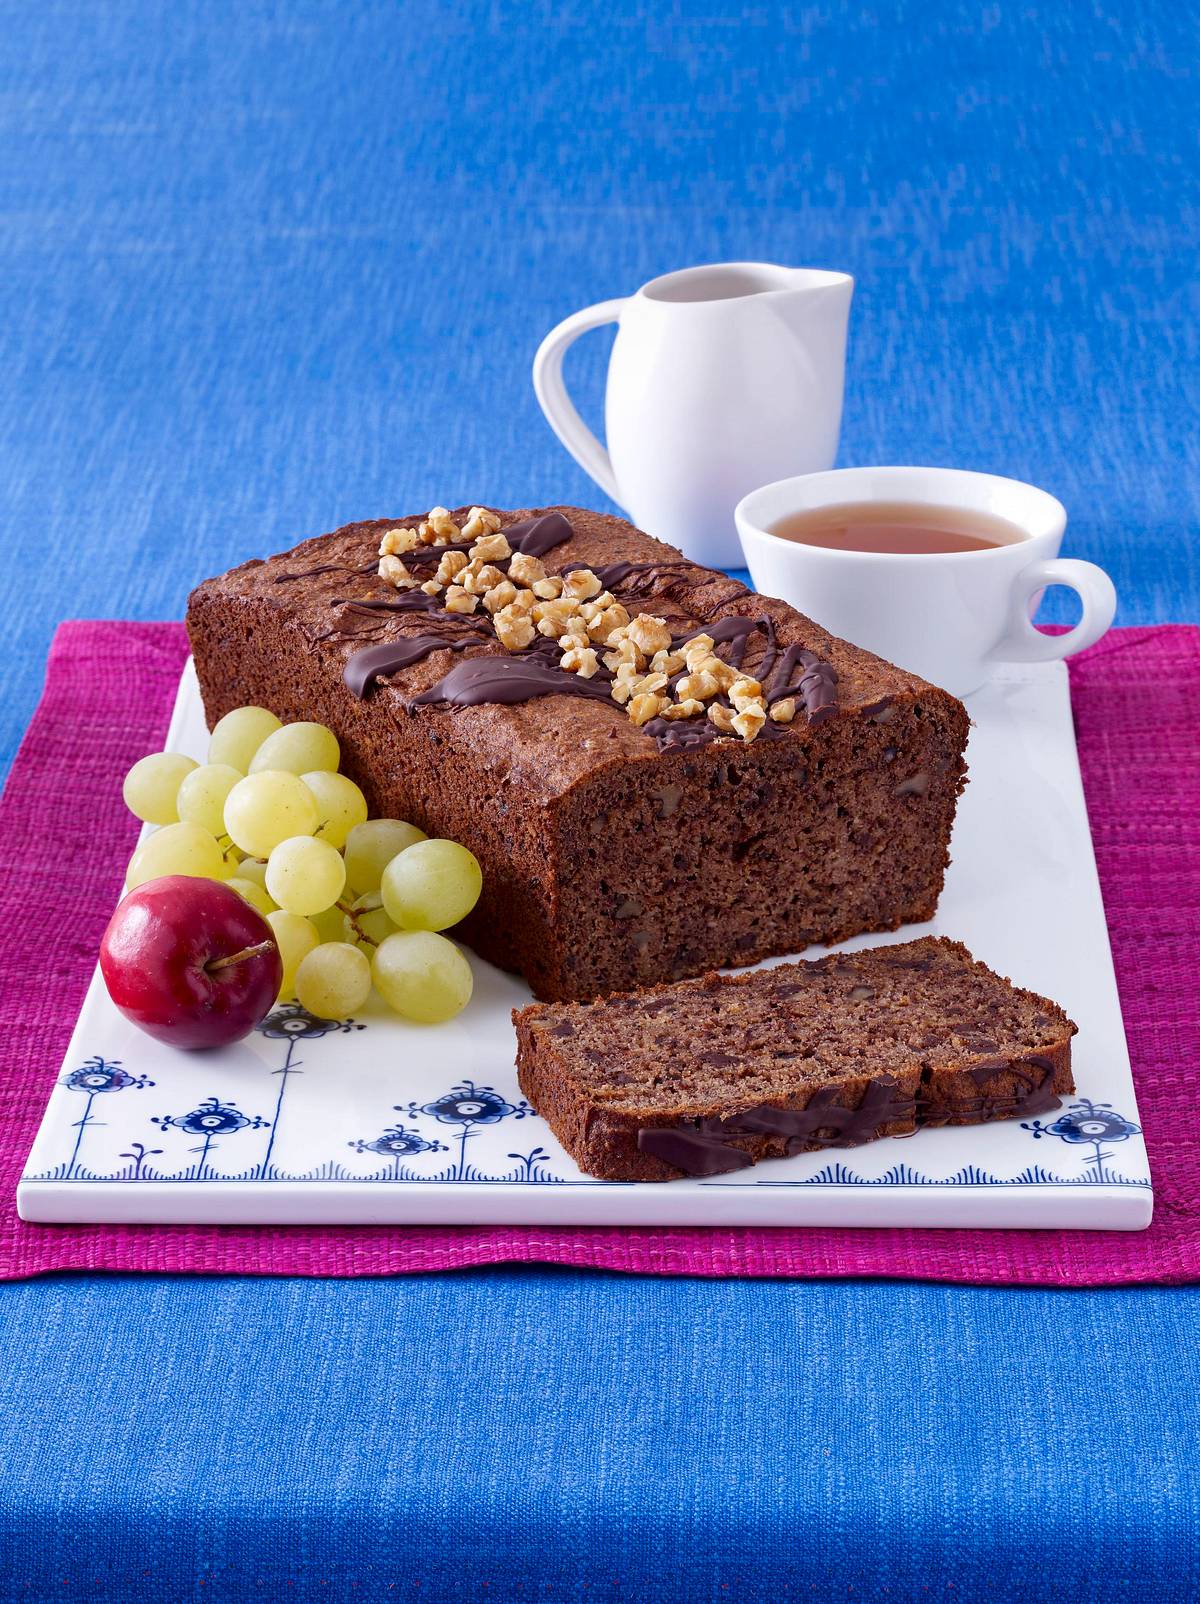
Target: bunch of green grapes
(354,902)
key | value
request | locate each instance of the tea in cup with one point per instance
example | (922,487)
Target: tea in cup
(935,569)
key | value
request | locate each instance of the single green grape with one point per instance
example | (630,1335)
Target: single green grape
(264,809)
(431,885)
(298,748)
(252,893)
(202,795)
(371,847)
(295,938)
(305,875)
(368,922)
(177,849)
(333,980)
(253,869)
(330,923)
(237,736)
(340,803)
(152,786)
(422,976)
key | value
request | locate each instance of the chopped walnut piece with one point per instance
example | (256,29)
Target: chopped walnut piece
(396,542)
(643,708)
(524,601)
(459,600)
(719,670)
(393,572)
(479,577)
(667,662)
(575,634)
(649,634)
(525,570)
(480,522)
(698,648)
(602,625)
(432,587)
(582,585)
(501,595)
(551,616)
(547,589)
(785,711)
(722,717)
(624,680)
(580,660)
(684,709)
(750,720)
(491,549)
(743,691)
(438,528)
(514,630)
(650,684)
(452,563)
(698,685)
(622,652)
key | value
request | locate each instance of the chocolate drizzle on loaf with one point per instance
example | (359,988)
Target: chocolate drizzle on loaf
(520,676)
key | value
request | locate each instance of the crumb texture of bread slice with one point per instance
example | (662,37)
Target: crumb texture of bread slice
(714,1074)
(608,864)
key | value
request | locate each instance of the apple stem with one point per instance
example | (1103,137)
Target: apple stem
(240,957)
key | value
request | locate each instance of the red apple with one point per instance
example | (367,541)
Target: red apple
(190,962)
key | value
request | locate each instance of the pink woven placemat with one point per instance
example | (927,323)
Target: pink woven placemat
(109,692)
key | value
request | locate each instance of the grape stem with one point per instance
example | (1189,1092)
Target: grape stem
(357,928)
(240,957)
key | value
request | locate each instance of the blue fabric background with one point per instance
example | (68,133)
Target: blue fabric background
(266,268)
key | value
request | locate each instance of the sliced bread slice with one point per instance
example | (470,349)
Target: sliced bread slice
(714,1074)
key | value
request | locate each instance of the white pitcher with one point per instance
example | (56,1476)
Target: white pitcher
(721,379)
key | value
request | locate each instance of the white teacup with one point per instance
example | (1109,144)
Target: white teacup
(949,617)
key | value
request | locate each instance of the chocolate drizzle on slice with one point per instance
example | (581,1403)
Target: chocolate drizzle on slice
(696,1146)
(325,568)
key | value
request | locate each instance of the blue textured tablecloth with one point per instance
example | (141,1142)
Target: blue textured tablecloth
(266,268)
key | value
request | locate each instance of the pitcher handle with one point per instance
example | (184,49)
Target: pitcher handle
(554,401)
(1024,644)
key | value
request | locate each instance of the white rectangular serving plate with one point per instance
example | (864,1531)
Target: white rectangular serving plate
(372,1121)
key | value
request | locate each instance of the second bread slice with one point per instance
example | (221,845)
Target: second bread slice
(715,1074)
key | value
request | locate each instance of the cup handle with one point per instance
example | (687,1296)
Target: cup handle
(554,401)
(1025,644)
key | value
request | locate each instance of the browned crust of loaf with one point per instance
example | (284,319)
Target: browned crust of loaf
(604,1141)
(522,786)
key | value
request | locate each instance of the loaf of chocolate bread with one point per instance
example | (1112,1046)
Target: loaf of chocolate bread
(638,817)
(715,1074)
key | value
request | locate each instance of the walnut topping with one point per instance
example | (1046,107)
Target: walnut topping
(396,542)
(649,634)
(581,585)
(580,660)
(651,678)
(525,570)
(514,631)
(480,522)
(451,564)
(750,720)
(439,529)
(393,572)
(699,685)
(501,595)
(643,708)
(491,549)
